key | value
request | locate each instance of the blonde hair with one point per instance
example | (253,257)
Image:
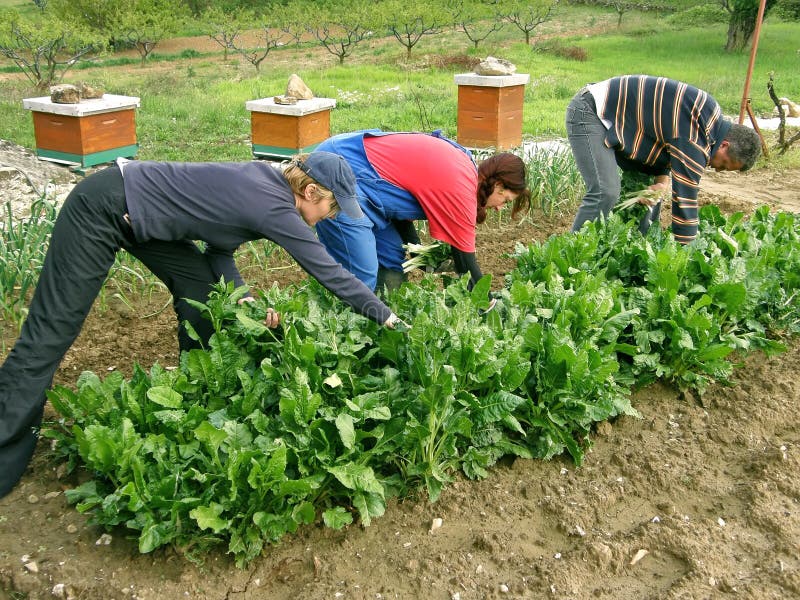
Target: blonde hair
(298,180)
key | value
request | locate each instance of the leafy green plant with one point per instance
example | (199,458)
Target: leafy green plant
(22,250)
(264,431)
(426,256)
(554,180)
(695,305)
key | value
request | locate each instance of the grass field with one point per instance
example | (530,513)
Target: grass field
(194,108)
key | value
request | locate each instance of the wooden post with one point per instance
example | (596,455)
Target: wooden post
(85,134)
(490,110)
(753,52)
(283,130)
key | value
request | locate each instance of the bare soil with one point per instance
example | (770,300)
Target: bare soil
(700,498)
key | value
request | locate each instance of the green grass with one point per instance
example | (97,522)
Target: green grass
(196,110)
(18,4)
(702,62)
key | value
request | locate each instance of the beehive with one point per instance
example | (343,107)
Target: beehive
(283,130)
(88,133)
(490,110)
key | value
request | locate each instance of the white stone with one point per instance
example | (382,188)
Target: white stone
(297,88)
(495,66)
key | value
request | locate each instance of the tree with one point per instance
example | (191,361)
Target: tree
(198,7)
(97,15)
(623,6)
(409,20)
(526,15)
(476,19)
(144,23)
(341,27)
(742,24)
(620,7)
(788,10)
(224,27)
(44,46)
(274,32)
(292,18)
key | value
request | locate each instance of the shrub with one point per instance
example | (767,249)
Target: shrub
(788,10)
(568,52)
(702,15)
(458,62)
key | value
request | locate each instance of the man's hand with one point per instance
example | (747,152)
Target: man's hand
(658,192)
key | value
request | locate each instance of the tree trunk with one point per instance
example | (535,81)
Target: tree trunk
(742,24)
(740,30)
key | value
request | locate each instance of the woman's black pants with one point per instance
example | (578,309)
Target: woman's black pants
(88,233)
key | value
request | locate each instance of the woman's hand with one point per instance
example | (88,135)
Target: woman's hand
(395,322)
(273,318)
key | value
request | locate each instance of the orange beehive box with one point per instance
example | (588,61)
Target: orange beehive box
(283,130)
(490,110)
(88,133)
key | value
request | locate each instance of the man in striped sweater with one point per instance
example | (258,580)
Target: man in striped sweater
(658,126)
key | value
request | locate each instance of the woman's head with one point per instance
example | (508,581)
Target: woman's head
(324,183)
(501,179)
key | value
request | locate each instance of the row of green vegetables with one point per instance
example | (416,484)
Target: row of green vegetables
(326,418)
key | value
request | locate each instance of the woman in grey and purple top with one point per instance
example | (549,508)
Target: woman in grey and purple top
(155,211)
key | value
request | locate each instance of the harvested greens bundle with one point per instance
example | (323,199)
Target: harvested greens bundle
(426,256)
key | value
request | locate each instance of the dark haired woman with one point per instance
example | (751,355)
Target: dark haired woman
(404,177)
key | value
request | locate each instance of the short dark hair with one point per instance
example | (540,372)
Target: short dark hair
(744,145)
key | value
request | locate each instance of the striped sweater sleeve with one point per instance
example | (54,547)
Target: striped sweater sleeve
(695,114)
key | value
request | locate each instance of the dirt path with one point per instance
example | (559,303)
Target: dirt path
(778,189)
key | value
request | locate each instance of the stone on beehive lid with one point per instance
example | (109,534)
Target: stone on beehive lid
(296,88)
(495,66)
(90,91)
(284,100)
(65,94)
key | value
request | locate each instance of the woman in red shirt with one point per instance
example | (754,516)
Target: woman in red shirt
(403,177)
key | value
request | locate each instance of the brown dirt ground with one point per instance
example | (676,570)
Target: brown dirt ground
(704,489)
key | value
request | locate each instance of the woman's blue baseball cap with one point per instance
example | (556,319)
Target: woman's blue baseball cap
(333,172)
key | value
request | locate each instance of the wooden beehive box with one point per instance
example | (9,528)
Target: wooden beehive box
(283,130)
(88,133)
(490,110)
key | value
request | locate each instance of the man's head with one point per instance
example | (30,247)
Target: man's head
(738,151)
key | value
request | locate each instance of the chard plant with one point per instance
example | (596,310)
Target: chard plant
(265,431)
